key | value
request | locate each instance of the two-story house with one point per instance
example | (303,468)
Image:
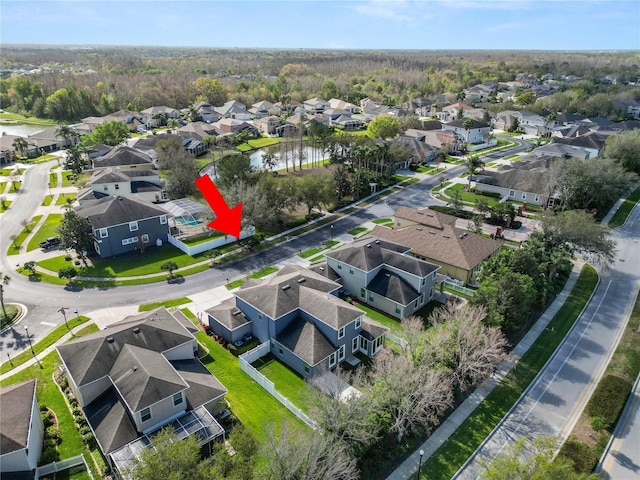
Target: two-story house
(124,157)
(298,312)
(316,105)
(477,131)
(144,184)
(21,430)
(123,224)
(382,275)
(234,109)
(139,375)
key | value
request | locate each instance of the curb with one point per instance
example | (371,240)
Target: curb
(23,313)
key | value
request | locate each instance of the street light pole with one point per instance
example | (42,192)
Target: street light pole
(64,314)
(332,232)
(26,329)
(420,462)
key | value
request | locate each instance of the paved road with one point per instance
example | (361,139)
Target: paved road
(43,300)
(555,399)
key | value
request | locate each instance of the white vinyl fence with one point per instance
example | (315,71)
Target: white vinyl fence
(458,287)
(54,467)
(246,359)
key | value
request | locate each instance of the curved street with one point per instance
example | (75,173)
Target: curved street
(555,399)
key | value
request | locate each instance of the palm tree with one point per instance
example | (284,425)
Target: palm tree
(4,281)
(67,133)
(472,163)
(467,125)
(173,124)
(20,145)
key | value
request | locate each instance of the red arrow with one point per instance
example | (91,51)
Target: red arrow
(227,219)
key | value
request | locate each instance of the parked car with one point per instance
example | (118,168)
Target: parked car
(50,243)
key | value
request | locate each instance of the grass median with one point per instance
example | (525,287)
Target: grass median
(625,209)
(455,451)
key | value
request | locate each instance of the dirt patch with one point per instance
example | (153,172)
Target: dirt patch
(583,432)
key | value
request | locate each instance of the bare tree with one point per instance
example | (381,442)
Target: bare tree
(460,341)
(346,420)
(298,455)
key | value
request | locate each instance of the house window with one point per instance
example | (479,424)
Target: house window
(354,345)
(431,293)
(128,241)
(364,344)
(163,219)
(434,274)
(512,193)
(106,188)
(332,359)
(280,350)
(307,369)
(536,198)
(145,238)
(145,414)
(341,333)
(133,226)
(117,186)
(421,299)
(524,195)
(371,298)
(259,316)
(362,292)
(415,304)
(177,399)
(398,310)
(351,271)
(339,267)
(97,247)
(103,233)
(424,280)
(341,353)
(358,322)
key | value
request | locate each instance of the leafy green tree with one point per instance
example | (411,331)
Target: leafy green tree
(209,90)
(173,124)
(240,466)
(170,460)
(4,281)
(527,98)
(68,272)
(532,460)
(109,133)
(342,180)
(67,133)
(20,145)
(258,210)
(169,267)
(384,126)
(234,167)
(181,169)
(624,148)
(75,160)
(473,164)
(315,190)
(75,233)
(30,266)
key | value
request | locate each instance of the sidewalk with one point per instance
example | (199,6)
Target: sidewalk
(408,468)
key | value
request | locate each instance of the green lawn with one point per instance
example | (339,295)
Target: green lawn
(381,318)
(47,341)
(63,199)
(286,381)
(8,171)
(625,209)
(316,258)
(264,272)
(202,239)
(314,251)
(48,229)
(22,236)
(164,303)
(383,220)
(468,197)
(128,265)
(250,403)
(235,284)
(53,179)
(5,206)
(357,231)
(15,187)
(454,452)
(47,200)
(29,120)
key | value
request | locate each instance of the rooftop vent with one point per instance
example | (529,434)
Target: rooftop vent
(109,339)
(135,368)
(301,280)
(377,242)
(136,330)
(286,287)
(419,229)
(420,213)
(368,245)
(322,269)
(446,236)
(237,311)
(432,232)
(429,214)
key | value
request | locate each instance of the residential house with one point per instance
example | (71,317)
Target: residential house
(592,143)
(8,152)
(144,184)
(21,430)
(206,112)
(452,112)
(197,130)
(433,237)
(122,224)
(525,181)
(506,120)
(234,109)
(478,93)
(347,122)
(48,140)
(158,116)
(439,139)
(273,126)
(298,312)
(478,131)
(124,157)
(189,141)
(560,151)
(315,105)
(139,375)
(338,104)
(131,119)
(232,125)
(533,124)
(421,152)
(261,109)
(382,275)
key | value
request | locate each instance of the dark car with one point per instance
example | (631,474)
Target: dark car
(49,243)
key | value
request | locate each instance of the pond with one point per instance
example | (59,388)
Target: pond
(20,129)
(310,154)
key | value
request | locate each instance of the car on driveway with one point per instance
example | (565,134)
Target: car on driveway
(49,243)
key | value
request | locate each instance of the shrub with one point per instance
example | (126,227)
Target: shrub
(47,418)
(582,456)
(52,433)
(49,454)
(87,437)
(608,398)
(515,224)
(490,194)
(67,258)
(76,411)
(599,423)
(85,429)
(452,211)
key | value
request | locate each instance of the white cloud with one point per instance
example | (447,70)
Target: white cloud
(397,11)
(504,27)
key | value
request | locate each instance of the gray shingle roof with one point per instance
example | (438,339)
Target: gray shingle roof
(144,377)
(110,421)
(372,330)
(328,308)
(306,341)
(203,387)
(122,155)
(15,416)
(474,123)
(116,210)
(228,314)
(92,357)
(390,285)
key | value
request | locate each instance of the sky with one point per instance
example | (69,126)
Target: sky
(328,24)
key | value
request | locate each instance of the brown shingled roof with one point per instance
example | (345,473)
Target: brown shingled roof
(425,216)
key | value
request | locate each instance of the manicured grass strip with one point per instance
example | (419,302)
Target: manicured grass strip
(12,250)
(88,330)
(625,209)
(383,220)
(8,171)
(64,199)
(455,451)
(164,303)
(47,200)
(286,381)
(48,229)
(470,198)
(66,181)
(250,403)
(314,251)
(357,230)
(47,341)
(235,284)
(264,272)
(316,259)
(381,318)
